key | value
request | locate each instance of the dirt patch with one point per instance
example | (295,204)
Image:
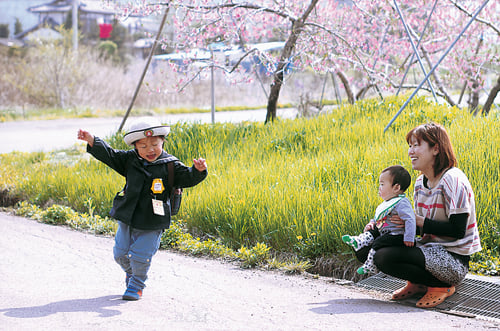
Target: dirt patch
(342,266)
(8,198)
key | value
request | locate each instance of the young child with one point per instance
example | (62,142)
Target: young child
(142,207)
(380,231)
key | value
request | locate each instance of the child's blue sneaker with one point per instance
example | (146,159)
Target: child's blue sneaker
(132,294)
(127,279)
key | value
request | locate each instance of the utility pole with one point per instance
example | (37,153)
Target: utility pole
(75,24)
(212,84)
(151,52)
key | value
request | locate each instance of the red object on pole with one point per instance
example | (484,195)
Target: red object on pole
(105,30)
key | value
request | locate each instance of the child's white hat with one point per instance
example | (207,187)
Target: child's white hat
(141,130)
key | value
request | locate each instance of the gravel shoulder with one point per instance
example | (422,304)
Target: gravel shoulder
(54,277)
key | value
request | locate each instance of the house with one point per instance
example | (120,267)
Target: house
(96,21)
(91,14)
(46,29)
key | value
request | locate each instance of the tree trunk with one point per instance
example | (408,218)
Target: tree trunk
(347,87)
(436,78)
(469,73)
(297,27)
(491,97)
(474,98)
(361,94)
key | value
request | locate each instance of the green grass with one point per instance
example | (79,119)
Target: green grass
(296,185)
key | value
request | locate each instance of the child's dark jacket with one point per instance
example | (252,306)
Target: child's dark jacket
(133,205)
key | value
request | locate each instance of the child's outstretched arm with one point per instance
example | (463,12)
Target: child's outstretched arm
(86,136)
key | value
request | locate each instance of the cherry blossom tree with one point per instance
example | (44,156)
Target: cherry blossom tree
(368,45)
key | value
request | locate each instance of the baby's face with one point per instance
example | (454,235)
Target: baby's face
(150,148)
(386,189)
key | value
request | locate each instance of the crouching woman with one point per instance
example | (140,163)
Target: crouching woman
(445,214)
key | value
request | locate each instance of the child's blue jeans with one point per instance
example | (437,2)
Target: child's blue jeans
(133,251)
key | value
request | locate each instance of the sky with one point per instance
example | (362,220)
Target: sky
(10,9)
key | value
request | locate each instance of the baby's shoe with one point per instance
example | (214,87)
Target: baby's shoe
(350,240)
(366,270)
(132,294)
(358,242)
(369,267)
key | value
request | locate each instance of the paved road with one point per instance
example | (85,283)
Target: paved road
(54,278)
(32,136)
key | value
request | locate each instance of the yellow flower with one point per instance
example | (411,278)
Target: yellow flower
(299,237)
(313,234)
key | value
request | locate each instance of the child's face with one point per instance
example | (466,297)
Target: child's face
(385,188)
(149,148)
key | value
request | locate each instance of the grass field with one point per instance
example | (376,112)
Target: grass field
(295,185)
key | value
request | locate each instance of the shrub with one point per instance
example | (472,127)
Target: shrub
(251,257)
(57,214)
(28,210)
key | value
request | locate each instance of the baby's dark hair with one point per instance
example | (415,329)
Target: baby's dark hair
(399,176)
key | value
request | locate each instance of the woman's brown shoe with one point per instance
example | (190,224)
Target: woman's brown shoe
(435,296)
(408,291)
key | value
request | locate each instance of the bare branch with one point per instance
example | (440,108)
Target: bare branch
(236,5)
(488,24)
(336,35)
(241,60)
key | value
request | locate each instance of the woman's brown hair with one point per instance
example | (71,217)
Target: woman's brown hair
(435,135)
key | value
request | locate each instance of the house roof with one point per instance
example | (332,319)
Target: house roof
(64,6)
(57,6)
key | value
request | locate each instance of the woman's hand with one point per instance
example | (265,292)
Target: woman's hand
(420,221)
(397,220)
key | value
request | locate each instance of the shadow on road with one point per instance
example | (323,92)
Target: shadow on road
(99,305)
(353,306)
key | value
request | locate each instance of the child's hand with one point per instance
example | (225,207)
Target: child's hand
(409,243)
(86,136)
(369,226)
(200,164)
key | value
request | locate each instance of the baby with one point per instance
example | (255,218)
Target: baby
(380,231)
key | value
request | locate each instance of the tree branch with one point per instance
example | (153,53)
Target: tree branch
(235,5)
(488,24)
(336,35)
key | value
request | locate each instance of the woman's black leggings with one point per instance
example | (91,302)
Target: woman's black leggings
(406,263)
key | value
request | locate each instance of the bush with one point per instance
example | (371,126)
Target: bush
(57,214)
(251,257)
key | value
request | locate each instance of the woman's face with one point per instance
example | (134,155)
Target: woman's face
(422,156)
(150,148)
